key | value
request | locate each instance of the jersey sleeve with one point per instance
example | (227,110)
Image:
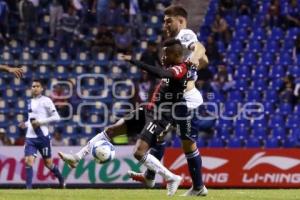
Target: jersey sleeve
(187,37)
(178,71)
(50,107)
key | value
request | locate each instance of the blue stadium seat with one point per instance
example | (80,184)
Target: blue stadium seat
(292,121)
(276,34)
(259,84)
(285,59)
(63,59)
(272,46)
(242,84)
(285,108)
(258,35)
(241,132)
(223,132)
(253,142)
(269,107)
(253,95)
(243,72)
(233,58)
(235,96)
(267,58)
(254,46)
(26,58)
(276,121)
(272,143)
(289,143)
(235,47)
(275,84)
(216,143)
(235,143)
(249,59)
(260,71)
(278,132)
(277,71)
(243,22)
(294,70)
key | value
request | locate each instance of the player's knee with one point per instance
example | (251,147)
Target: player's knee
(138,154)
(188,146)
(48,163)
(28,161)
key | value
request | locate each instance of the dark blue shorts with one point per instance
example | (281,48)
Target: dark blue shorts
(41,144)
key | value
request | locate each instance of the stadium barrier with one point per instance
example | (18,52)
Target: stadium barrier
(249,168)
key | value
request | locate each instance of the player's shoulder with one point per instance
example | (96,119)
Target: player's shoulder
(186,32)
(46,99)
(186,35)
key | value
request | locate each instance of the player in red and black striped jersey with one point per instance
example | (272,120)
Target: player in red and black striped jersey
(155,119)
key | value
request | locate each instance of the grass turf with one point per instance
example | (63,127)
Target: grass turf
(140,194)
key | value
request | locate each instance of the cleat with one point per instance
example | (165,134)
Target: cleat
(139,177)
(173,184)
(69,159)
(62,185)
(191,192)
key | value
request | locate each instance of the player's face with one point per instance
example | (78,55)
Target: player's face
(171,25)
(36,88)
(167,58)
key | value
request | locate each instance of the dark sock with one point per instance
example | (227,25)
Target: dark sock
(195,166)
(57,174)
(29,174)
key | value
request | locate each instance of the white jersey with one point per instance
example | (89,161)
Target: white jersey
(187,37)
(43,110)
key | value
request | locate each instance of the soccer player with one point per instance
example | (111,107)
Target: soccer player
(41,112)
(152,120)
(18,72)
(175,26)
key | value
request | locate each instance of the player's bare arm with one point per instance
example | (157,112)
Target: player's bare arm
(198,56)
(18,72)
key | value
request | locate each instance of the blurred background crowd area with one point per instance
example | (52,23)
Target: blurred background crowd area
(74,47)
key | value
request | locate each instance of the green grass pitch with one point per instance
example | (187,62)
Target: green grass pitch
(140,194)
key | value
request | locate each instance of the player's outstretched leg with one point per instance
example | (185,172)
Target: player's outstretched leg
(73,159)
(148,178)
(150,162)
(111,131)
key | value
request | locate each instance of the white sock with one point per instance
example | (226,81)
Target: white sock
(87,148)
(154,164)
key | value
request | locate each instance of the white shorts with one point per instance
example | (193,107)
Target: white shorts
(193,98)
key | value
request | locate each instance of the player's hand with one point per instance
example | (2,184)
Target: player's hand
(125,57)
(35,124)
(194,61)
(18,72)
(22,125)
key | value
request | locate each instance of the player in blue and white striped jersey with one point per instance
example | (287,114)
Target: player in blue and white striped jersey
(41,112)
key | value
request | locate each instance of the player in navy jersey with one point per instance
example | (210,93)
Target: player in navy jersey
(41,112)
(154,119)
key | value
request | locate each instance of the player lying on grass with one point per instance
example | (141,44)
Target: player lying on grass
(151,121)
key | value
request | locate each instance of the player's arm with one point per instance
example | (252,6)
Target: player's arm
(190,41)
(53,115)
(156,71)
(18,72)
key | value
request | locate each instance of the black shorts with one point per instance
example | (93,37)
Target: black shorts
(153,128)
(135,121)
(141,122)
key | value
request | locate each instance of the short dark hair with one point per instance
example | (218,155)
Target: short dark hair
(175,45)
(38,81)
(176,11)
